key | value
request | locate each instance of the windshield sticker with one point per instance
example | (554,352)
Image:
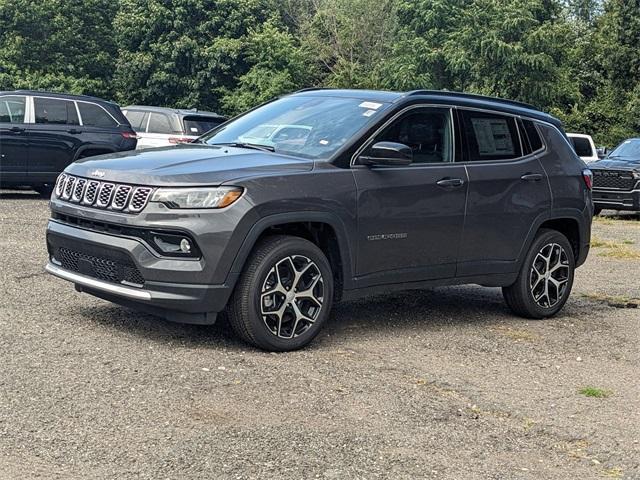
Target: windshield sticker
(370,105)
(368,113)
(324,142)
(194,129)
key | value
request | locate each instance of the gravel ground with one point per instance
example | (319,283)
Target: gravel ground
(443,383)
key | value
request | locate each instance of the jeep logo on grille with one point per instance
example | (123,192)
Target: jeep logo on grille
(97,173)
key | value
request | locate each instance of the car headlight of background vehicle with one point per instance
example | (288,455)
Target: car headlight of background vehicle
(208,197)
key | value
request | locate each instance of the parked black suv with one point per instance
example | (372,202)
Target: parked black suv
(616,178)
(382,191)
(41,133)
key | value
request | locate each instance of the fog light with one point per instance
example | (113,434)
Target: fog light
(185,245)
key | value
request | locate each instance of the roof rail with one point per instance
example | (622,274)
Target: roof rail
(472,96)
(311,89)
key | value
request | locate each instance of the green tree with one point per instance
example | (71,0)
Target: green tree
(64,45)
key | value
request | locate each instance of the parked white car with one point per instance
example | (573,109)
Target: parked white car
(160,127)
(584,146)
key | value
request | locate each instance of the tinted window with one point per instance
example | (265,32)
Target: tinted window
(159,123)
(533,135)
(12,109)
(137,120)
(94,116)
(427,131)
(200,125)
(491,136)
(582,146)
(55,111)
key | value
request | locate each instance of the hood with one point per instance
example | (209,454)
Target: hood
(616,164)
(186,165)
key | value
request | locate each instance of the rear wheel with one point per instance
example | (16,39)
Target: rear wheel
(284,295)
(545,279)
(597,211)
(44,190)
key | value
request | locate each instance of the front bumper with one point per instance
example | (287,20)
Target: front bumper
(164,288)
(616,199)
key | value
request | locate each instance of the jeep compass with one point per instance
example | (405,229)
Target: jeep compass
(363,192)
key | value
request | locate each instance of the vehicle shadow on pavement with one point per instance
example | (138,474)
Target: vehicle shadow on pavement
(18,195)
(448,307)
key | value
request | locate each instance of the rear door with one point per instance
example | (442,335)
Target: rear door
(54,137)
(410,218)
(100,130)
(14,145)
(508,192)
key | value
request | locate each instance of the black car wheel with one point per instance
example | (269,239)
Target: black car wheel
(545,279)
(284,295)
(597,211)
(44,190)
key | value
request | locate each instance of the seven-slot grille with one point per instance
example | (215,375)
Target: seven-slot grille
(614,179)
(106,195)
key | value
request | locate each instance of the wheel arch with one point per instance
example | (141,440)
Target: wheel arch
(321,228)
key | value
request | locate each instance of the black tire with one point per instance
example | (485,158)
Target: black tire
(282,332)
(597,211)
(44,190)
(525,297)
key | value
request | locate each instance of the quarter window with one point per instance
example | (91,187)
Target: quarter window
(532,133)
(159,123)
(12,109)
(490,136)
(426,130)
(582,146)
(95,116)
(55,111)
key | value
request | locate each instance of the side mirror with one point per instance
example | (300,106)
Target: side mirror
(387,153)
(602,152)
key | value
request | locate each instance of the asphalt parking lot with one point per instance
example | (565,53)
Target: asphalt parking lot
(443,383)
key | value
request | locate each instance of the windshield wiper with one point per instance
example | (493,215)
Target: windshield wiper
(254,146)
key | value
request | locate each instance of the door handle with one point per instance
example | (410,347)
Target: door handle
(16,129)
(73,131)
(450,182)
(531,177)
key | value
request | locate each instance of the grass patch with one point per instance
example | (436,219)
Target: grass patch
(616,250)
(594,392)
(619,301)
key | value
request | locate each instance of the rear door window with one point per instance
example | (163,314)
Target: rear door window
(55,111)
(137,119)
(95,116)
(490,136)
(582,146)
(159,123)
(12,109)
(197,125)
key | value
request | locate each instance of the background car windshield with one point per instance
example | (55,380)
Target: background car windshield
(311,127)
(199,125)
(628,149)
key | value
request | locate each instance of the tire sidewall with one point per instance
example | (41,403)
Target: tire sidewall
(542,240)
(291,247)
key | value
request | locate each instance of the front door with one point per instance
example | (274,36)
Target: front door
(508,193)
(14,147)
(410,218)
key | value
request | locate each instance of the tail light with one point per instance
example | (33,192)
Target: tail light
(176,140)
(587,175)
(129,135)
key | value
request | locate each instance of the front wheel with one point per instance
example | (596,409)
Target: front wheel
(545,279)
(284,294)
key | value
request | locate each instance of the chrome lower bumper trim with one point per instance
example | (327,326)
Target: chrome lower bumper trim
(89,282)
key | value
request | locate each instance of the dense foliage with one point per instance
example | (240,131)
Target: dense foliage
(579,59)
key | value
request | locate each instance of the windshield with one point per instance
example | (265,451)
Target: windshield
(627,149)
(306,126)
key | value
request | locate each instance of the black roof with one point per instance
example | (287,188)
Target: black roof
(440,96)
(179,111)
(57,95)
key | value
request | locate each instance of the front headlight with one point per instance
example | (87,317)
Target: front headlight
(210,197)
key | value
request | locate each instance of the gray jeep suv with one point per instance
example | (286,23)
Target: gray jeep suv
(364,192)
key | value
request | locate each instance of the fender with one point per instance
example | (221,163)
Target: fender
(292,217)
(83,148)
(559,214)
